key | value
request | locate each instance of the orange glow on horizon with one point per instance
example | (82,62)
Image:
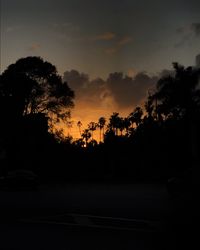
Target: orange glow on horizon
(86,114)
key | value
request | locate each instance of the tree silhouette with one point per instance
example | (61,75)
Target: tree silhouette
(31,91)
(79,142)
(92,127)
(136,116)
(86,135)
(178,104)
(31,86)
(93,143)
(101,124)
(79,124)
(178,96)
(149,107)
(114,122)
(127,124)
(69,125)
(121,125)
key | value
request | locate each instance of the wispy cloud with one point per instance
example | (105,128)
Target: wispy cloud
(111,50)
(196,29)
(107,36)
(180,30)
(12,28)
(66,30)
(125,40)
(66,26)
(183,41)
(34,47)
(187,34)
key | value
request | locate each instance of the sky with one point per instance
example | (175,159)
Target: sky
(109,52)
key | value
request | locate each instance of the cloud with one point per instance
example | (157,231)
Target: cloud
(118,91)
(196,29)
(34,47)
(189,31)
(125,40)
(128,91)
(65,26)
(187,34)
(107,36)
(180,30)
(13,28)
(92,98)
(90,91)
(131,72)
(185,39)
(198,61)
(66,30)
(111,50)
(71,26)
(118,45)
(76,80)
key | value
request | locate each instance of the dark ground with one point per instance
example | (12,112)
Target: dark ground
(94,216)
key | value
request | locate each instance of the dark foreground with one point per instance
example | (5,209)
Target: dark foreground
(95,216)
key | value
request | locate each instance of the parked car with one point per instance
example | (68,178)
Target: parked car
(20,178)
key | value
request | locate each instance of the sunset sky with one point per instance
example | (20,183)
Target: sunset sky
(90,40)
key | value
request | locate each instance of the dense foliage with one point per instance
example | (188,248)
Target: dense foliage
(156,141)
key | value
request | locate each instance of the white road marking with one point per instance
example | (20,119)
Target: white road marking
(101,222)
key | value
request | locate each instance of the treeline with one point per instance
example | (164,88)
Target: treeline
(153,142)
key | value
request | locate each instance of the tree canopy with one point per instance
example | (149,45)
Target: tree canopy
(31,86)
(178,96)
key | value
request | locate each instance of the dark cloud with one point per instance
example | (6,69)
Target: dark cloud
(90,91)
(198,61)
(187,34)
(183,41)
(119,90)
(75,79)
(180,30)
(196,28)
(120,43)
(129,91)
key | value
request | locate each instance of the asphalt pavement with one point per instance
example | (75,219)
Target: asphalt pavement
(87,216)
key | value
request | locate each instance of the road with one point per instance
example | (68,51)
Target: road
(91,216)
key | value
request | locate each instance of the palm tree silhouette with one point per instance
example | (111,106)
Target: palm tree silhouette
(92,127)
(86,135)
(121,125)
(79,124)
(114,123)
(101,124)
